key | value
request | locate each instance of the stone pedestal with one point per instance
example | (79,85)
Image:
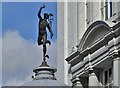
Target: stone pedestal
(44,71)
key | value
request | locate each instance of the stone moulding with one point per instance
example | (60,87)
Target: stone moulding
(99,50)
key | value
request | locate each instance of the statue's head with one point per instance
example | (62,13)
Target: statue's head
(46,16)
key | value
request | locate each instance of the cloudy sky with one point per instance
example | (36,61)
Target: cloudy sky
(20,53)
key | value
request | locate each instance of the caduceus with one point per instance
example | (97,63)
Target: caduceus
(42,34)
(50,19)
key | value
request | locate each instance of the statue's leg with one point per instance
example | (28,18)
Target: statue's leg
(48,42)
(39,39)
(44,45)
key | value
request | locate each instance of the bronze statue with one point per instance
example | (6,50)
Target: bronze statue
(42,35)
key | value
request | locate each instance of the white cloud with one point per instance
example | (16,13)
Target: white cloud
(20,56)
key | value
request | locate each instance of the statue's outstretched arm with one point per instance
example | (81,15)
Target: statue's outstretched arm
(50,30)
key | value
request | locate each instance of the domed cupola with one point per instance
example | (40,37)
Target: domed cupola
(44,76)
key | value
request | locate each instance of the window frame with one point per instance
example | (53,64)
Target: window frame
(106,9)
(107,85)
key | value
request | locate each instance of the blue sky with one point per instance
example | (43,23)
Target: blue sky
(22,16)
(20,53)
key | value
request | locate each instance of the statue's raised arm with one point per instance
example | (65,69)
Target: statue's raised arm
(39,12)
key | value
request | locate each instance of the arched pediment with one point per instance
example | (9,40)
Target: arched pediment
(95,31)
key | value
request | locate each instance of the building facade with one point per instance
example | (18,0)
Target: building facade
(88,52)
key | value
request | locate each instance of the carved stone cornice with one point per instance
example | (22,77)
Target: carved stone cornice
(72,56)
(114,54)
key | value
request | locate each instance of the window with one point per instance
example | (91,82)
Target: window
(106,10)
(108,78)
(110,9)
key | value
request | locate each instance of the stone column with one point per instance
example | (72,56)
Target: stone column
(93,80)
(65,41)
(116,70)
(76,83)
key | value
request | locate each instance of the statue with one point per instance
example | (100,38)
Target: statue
(42,34)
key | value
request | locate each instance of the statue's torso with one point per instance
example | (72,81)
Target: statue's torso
(43,24)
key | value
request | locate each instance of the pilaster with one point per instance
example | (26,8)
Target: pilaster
(116,68)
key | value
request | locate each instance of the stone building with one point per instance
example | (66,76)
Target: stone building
(88,52)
